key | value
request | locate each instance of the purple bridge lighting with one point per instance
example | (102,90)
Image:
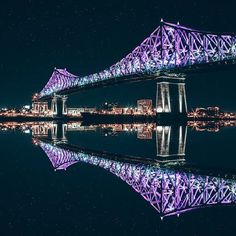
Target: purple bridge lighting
(170,48)
(169,191)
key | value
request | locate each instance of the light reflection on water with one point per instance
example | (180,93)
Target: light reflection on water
(163,164)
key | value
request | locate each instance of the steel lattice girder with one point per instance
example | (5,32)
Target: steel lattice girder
(169,46)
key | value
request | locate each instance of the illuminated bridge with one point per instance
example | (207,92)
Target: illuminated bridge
(169,191)
(170,50)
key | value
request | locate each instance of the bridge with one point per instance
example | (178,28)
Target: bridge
(171,49)
(169,191)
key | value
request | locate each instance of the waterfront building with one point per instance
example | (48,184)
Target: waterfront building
(144,105)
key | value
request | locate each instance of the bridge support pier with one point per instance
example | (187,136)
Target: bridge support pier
(171,104)
(64,108)
(54,106)
(58,105)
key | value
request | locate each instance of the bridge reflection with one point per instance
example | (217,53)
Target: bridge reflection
(168,183)
(170,191)
(170,141)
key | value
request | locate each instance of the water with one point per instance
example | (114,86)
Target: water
(67,179)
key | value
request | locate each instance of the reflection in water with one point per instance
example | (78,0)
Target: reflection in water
(211,126)
(42,128)
(170,140)
(170,188)
(169,191)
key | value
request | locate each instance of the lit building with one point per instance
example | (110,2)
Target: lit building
(117,110)
(91,110)
(144,105)
(77,111)
(40,108)
(74,111)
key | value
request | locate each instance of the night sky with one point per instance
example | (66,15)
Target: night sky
(88,36)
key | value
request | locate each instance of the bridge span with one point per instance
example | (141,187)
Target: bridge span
(171,49)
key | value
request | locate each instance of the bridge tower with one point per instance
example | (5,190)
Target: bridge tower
(54,105)
(64,108)
(171,103)
(58,105)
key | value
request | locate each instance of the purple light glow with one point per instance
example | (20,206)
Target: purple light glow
(170,46)
(169,191)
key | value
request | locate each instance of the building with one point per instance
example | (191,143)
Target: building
(144,105)
(40,108)
(117,110)
(74,111)
(77,111)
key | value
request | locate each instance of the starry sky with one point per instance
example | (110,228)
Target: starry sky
(88,36)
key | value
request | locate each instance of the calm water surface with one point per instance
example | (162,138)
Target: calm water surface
(67,179)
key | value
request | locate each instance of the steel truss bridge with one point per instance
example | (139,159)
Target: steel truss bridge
(169,191)
(171,48)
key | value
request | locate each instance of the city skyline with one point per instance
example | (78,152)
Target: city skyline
(35,75)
